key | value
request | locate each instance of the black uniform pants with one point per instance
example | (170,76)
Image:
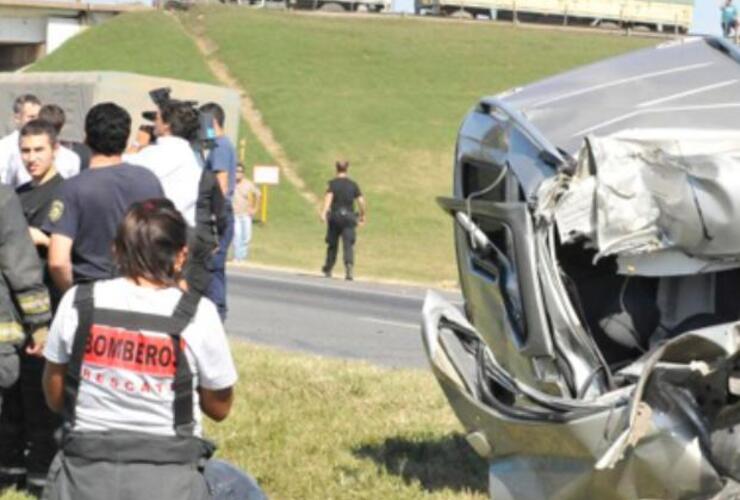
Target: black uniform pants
(336,229)
(27,425)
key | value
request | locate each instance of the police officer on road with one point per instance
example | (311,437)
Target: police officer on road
(341,219)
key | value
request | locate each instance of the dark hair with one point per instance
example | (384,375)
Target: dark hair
(216,110)
(342,165)
(182,117)
(54,115)
(107,127)
(149,130)
(24,99)
(148,240)
(40,127)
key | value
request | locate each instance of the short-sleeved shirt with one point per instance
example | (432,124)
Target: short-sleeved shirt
(36,199)
(729,14)
(244,194)
(345,191)
(222,158)
(134,393)
(8,153)
(174,162)
(88,208)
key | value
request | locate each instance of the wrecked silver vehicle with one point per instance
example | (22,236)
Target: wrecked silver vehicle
(597,230)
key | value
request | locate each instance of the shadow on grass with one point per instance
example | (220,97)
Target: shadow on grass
(445,463)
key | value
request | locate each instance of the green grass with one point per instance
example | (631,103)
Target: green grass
(312,428)
(388,94)
(149,43)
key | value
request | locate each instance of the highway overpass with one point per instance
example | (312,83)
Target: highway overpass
(30,29)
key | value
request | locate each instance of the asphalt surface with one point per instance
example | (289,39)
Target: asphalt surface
(374,322)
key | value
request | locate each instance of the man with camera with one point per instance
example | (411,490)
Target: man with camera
(222,161)
(172,158)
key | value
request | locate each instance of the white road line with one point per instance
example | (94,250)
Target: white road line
(620,82)
(686,93)
(392,323)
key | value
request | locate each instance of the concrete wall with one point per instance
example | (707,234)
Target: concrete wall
(59,30)
(22,30)
(77,92)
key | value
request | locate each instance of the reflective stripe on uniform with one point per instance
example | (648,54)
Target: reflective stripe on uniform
(34,302)
(11,332)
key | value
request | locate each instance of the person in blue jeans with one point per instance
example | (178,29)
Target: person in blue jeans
(246,200)
(221,160)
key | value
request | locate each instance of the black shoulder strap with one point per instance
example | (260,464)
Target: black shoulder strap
(85,304)
(185,310)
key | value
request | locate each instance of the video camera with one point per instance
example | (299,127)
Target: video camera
(201,131)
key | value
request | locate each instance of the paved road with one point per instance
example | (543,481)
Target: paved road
(354,320)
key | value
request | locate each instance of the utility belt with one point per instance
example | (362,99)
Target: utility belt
(343,216)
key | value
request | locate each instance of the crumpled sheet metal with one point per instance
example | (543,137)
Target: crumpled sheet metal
(652,195)
(665,441)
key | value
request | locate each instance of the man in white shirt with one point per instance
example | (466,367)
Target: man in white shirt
(66,161)
(26,107)
(172,158)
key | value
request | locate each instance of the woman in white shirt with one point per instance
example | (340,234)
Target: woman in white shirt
(132,363)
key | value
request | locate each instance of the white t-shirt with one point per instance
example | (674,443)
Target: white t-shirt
(127,376)
(8,148)
(173,161)
(66,161)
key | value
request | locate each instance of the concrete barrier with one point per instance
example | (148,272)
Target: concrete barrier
(76,92)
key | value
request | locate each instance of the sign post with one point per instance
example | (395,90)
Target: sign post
(264,176)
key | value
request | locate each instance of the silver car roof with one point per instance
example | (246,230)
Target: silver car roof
(690,83)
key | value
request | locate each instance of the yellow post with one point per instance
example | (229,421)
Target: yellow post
(263,208)
(242,150)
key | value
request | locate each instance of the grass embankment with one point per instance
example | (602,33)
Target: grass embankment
(388,94)
(312,428)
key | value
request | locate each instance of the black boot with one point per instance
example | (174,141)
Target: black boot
(326,271)
(348,273)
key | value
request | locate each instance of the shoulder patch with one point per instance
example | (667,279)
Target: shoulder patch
(56,211)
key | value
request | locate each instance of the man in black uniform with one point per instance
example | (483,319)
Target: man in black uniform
(39,144)
(28,425)
(338,212)
(87,209)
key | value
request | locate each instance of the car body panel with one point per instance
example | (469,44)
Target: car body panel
(560,394)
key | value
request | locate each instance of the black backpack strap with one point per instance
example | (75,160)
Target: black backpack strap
(183,384)
(85,304)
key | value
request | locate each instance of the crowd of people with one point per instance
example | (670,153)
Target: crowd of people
(112,302)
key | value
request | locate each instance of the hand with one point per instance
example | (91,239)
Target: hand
(38,341)
(38,237)
(362,221)
(322,216)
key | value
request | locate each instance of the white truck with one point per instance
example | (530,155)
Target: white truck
(658,15)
